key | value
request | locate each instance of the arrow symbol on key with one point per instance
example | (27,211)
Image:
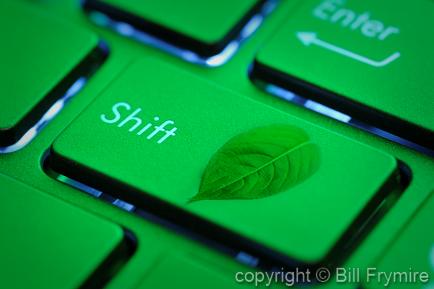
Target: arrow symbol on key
(310,38)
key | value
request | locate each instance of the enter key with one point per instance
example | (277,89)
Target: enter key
(370,60)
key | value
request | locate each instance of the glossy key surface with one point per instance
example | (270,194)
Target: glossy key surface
(115,145)
(41,58)
(371,60)
(47,243)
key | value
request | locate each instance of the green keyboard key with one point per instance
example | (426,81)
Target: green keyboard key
(371,60)
(49,244)
(411,255)
(206,32)
(44,62)
(149,143)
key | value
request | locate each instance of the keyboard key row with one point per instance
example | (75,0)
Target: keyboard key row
(148,143)
(311,55)
(356,62)
(56,58)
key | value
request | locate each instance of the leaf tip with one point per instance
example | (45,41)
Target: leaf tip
(194,199)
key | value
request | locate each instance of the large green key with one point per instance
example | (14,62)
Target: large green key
(48,244)
(44,61)
(205,32)
(149,143)
(371,60)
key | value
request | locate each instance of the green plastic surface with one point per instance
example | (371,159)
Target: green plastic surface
(47,243)
(346,55)
(186,271)
(207,21)
(39,50)
(24,165)
(106,139)
(412,252)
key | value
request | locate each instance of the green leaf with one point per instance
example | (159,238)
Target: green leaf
(259,163)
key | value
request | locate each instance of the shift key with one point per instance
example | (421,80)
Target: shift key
(191,150)
(371,60)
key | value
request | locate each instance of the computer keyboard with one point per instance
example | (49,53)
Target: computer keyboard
(143,146)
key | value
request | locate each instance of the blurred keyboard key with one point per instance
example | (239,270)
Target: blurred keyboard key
(44,61)
(206,32)
(47,243)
